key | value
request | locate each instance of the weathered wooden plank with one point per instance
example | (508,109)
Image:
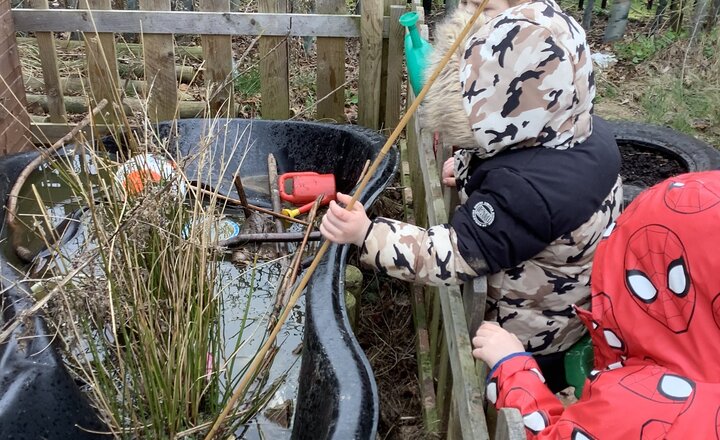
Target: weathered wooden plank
(330,68)
(425,370)
(205,23)
(102,64)
(474,298)
(159,57)
(370,63)
(394,68)
(466,385)
(510,425)
(14,120)
(274,71)
(217,51)
(79,104)
(51,75)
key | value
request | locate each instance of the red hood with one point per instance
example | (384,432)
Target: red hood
(656,281)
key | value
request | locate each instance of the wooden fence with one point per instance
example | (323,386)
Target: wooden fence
(380,65)
(13,118)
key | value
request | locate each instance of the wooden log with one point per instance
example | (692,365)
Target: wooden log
(184,74)
(393,89)
(330,68)
(274,71)
(371,21)
(122,48)
(79,86)
(218,54)
(79,104)
(102,67)
(51,75)
(159,58)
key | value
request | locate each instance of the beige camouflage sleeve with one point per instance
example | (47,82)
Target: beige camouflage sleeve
(408,252)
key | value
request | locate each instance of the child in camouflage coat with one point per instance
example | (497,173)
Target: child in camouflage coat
(537,176)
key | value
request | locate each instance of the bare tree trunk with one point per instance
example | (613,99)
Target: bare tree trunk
(676,14)
(659,16)
(700,16)
(587,16)
(618,20)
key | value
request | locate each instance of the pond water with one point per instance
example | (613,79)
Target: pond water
(248,292)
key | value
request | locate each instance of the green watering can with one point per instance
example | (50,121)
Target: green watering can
(417,51)
(579,364)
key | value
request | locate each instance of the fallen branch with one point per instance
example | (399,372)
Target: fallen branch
(10,216)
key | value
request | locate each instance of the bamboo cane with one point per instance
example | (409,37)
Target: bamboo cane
(251,371)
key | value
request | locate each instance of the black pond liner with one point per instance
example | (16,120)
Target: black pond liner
(337,394)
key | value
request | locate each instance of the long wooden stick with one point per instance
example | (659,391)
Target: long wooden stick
(251,371)
(251,206)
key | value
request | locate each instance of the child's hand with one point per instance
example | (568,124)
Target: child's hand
(341,226)
(492,343)
(448,172)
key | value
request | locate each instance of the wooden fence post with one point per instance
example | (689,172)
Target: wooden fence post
(102,68)
(371,26)
(274,73)
(14,120)
(51,76)
(330,68)
(393,87)
(159,58)
(218,54)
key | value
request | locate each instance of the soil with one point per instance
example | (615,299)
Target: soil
(644,167)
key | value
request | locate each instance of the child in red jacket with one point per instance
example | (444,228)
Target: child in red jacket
(655,328)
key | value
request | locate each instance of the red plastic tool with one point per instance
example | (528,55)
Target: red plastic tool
(302,188)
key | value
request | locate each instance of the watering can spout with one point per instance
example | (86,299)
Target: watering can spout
(417,50)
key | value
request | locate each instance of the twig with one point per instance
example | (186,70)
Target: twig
(284,289)
(275,194)
(364,171)
(241,194)
(10,215)
(298,259)
(251,206)
(252,369)
(269,237)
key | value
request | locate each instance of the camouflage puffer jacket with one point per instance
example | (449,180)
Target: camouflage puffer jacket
(538,183)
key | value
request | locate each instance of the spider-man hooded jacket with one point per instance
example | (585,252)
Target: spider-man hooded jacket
(655,328)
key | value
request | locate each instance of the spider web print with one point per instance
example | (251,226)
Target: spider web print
(657,275)
(690,197)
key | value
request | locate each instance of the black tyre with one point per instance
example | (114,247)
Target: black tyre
(651,154)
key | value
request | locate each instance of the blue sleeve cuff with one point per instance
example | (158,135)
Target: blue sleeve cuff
(506,358)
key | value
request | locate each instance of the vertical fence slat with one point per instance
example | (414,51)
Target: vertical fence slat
(467,388)
(330,68)
(510,425)
(51,76)
(159,59)
(14,120)
(218,54)
(371,24)
(394,68)
(102,66)
(274,73)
